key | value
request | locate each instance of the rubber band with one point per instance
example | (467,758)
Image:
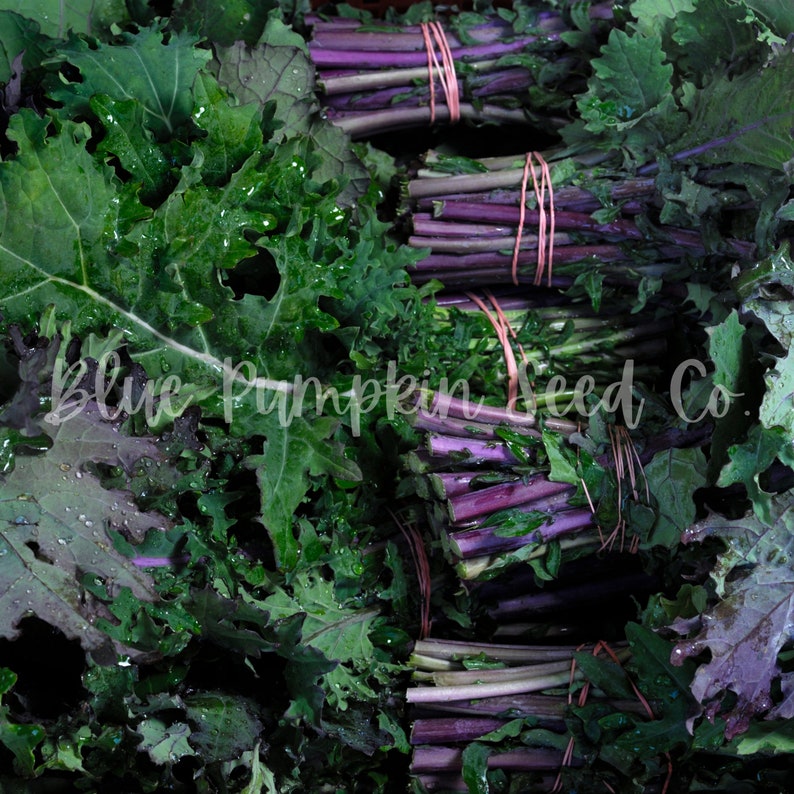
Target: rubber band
(506,323)
(545,240)
(510,358)
(628,466)
(522,209)
(422,566)
(445,69)
(599,647)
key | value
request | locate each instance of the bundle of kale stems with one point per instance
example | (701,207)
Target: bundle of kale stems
(557,556)
(603,279)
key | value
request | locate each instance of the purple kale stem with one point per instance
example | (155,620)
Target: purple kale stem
(434,759)
(441,730)
(469,448)
(541,302)
(406,38)
(424,420)
(397,40)
(462,245)
(696,435)
(715,143)
(579,221)
(348,81)
(375,59)
(358,126)
(500,275)
(368,94)
(475,504)
(335,33)
(159,562)
(562,255)
(483,542)
(550,708)
(462,185)
(489,205)
(446,484)
(572,597)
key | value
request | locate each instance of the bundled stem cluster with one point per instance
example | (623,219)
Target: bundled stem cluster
(484,226)
(504,708)
(375,76)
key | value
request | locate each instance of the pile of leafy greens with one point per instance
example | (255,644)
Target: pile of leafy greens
(206,314)
(191,259)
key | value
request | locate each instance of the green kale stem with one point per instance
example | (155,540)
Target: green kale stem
(448,405)
(477,676)
(437,758)
(528,683)
(452,651)
(488,565)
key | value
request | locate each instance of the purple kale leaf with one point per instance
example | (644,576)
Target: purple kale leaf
(57,519)
(748,627)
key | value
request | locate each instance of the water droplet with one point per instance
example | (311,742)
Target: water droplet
(62,541)
(79,475)
(89,524)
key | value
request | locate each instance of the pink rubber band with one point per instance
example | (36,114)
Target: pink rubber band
(445,69)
